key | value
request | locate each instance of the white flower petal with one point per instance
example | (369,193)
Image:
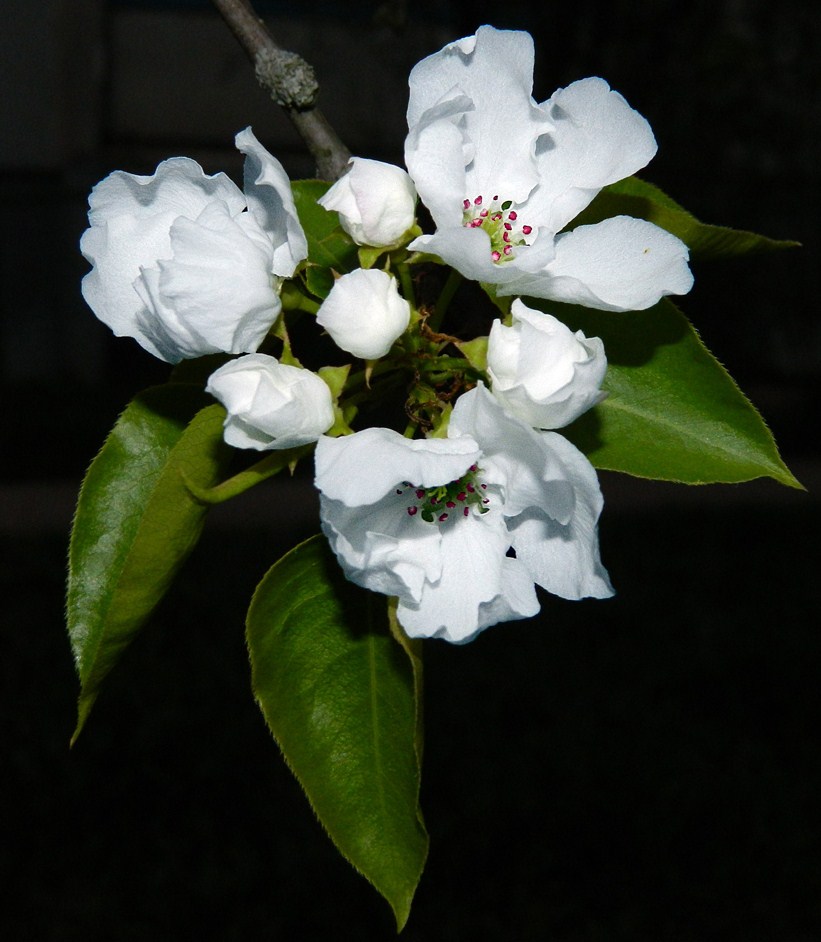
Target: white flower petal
(517,599)
(469,252)
(494,68)
(466,250)
(384,550)
(564,557)
(437,153)
(271,202)
(514,456)
(597,138)
(471,585)
(619,264)
(361,469)
(178,187)
(157,326)
(217,283)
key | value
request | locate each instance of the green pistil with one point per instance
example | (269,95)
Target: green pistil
(440,502)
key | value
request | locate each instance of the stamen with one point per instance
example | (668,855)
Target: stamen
(435,503)
(498,221)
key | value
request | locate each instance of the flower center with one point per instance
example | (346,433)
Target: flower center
(438,503)
(500,222)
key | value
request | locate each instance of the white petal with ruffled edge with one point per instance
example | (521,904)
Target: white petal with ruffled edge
(564,557)
(478,585)
(383,549)
(513,456)
(130,218)
(271,203)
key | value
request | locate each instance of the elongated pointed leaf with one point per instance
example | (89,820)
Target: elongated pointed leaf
(634,197)
(339,695)
(672,412)
(330,248)
(136,522)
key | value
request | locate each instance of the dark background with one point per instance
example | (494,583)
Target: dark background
(644,768)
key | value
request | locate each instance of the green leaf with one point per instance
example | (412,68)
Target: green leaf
(319,281)
(672,412)
(136,522)
(368,255)
(341,699)
(335,378)
(475,352)
(634,197)
(329,246)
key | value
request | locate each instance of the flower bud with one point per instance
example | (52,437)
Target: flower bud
(541,371)
(376,202)
(271,405)
(364,313)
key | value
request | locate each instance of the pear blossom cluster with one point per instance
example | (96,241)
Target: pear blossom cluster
(472,498)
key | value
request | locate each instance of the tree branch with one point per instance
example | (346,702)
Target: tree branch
(291,83)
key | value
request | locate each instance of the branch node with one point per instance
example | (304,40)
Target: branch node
(288,77)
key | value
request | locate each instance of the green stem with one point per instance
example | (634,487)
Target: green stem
(405,279)
(355,380)
(267,467)
(294,300)
(440,364)
(373,392)
(446,296)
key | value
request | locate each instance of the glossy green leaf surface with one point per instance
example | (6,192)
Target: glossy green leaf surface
(330,248)
(635,197)
(136,522)
(340,697)
(672,412)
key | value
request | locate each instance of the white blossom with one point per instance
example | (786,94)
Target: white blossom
(503,176)
(432,521)
(376,202)
(271,405)
(187,263)
(541,371)
(364,313)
